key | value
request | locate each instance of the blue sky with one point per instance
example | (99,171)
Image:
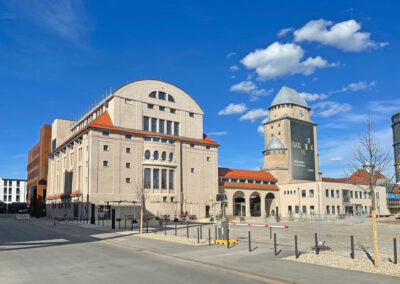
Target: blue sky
(57,57)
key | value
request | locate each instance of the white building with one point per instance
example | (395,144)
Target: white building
(12,190)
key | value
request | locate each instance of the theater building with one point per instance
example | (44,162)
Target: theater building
(147,133)
(291,156)
(37,172)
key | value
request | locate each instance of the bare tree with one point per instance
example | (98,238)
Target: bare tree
(369,155)
(142,194)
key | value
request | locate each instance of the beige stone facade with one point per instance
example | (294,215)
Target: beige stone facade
(146,133)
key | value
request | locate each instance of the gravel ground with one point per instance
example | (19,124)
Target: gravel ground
(341,259)
(172,238)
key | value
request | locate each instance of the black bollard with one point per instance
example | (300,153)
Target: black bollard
(395,251)
(147,227)
(275,253)
(352,247)
(270,233)
(215,233)
(249,242)
(296,250)
(227,238)
(187,230)
(198,235)
(175,230)
(201,232)
(165,230)
(209,236)
(119,223)
(316,244)
(125,224)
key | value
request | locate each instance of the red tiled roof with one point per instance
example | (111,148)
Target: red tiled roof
(249,185)
(104,122)
(361,176)
(245,174)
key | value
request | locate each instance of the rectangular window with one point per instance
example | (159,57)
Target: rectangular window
(127,136)
(351,194)
(290,209)
(296,209)
(147,178)
(161,125)
(163,140)
(156,178)
(171,142)
(164,179)
(333,209)
(311,193)
(303,193)
(105,147)
(304,209)
(327,192)
(328,209)
(191,114)
(356,194)
(176,128)
(106,133)
(338,209)
(146,123)
(128,150)
(312,210)
(161,95)
(208,147)
(169,127)
(150,106)
(154,125)
(332,193)
(171,179)
(172,110)
(147,139)
(162,108)
(191,145)
(105,163)
(128,165)
(337,194)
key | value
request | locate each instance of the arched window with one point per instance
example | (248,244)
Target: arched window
(147,155)
(171,98)
(163,156)
(171,157)
(155,155)
(153,94)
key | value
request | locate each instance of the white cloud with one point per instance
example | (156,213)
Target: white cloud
(278,60)
(283,32)
(254,114)
(233,109)
(345,35)
(313,97)
(230,54)
(387,107)
(234,68)
(249,87)
(354,87)
(218,133)
(260,129)
(336,159)
(329,108)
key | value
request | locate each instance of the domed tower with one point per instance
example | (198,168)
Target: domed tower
(290,139)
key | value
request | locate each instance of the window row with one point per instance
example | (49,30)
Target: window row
(162,96)
(162,140)
(274,152)
(156,155)
(235,180)
(160,126)
(152,178)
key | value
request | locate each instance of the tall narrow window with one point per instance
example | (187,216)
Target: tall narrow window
(163,156)
(171,179)
(169,127)
(161,95)
(156,178)
(164,179)
(147,178)
(145,123)
(155,155)
(171,156)
(161,123)
(176,128)
(154,125)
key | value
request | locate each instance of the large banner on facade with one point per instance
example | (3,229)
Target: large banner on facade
(302,146)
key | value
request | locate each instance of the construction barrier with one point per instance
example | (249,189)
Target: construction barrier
(260,225)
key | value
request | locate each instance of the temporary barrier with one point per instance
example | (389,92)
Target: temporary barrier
(260,225)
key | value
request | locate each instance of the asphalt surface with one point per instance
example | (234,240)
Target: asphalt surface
(34,251)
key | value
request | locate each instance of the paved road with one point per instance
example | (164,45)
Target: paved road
(34,251)
(31,252)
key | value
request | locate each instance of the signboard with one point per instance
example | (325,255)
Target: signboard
(302,146)
(392,196)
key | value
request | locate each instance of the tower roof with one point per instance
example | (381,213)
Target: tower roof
(288,95)
(275,144)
